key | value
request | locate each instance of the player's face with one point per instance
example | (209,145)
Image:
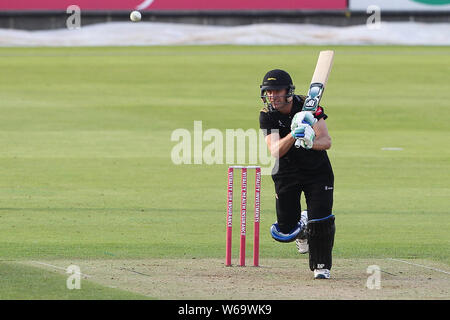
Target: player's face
(277,98)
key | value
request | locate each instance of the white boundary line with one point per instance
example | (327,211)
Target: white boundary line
(59,268)
(419,265)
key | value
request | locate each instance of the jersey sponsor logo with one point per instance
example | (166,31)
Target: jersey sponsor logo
(328,188)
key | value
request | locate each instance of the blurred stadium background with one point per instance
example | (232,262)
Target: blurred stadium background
(51,14)
(404,21)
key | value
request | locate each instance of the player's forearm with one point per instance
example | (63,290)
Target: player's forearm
(322,143)
(282,146)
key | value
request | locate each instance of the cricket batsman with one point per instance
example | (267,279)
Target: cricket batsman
(304,170)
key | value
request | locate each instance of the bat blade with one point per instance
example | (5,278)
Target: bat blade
(318,83)
(323,67)
(319,80)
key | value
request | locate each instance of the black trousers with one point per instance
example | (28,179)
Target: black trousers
(318,193)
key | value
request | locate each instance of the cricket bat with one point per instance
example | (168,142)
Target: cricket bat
(318,83)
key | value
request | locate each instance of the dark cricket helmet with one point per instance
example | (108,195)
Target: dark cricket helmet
(276,80)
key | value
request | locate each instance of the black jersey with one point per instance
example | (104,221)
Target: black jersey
(306,164)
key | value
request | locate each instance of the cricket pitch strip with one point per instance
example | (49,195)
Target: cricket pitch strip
(283,279)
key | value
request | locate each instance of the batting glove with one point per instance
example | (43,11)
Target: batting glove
(308,139)
(303,117)
(299,131)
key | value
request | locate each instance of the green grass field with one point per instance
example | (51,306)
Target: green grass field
(85,157)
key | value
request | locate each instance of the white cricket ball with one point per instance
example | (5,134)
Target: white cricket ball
(135,16)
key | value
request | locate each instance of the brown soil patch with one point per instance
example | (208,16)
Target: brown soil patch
(275,279)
